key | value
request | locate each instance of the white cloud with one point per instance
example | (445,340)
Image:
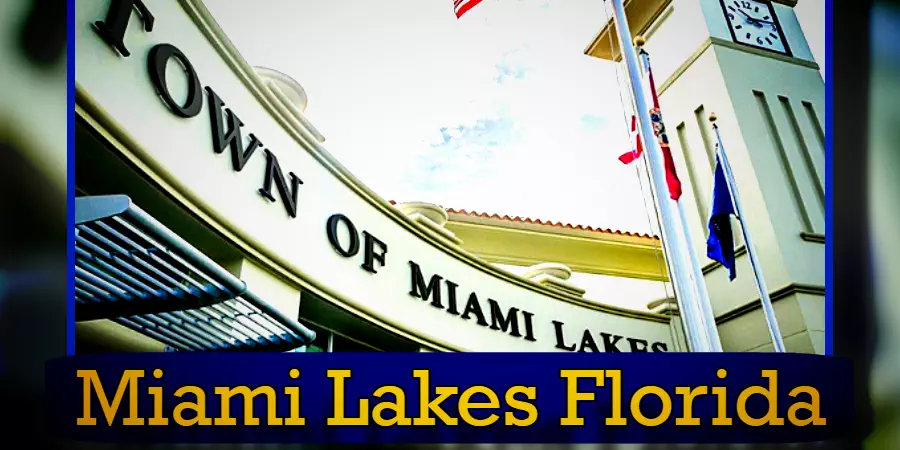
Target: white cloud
(499,111)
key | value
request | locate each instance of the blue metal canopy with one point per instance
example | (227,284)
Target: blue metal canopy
(132,270)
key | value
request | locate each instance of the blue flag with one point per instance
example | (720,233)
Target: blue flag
(720,243)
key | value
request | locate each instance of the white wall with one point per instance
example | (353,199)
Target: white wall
(682,23)
(811,15)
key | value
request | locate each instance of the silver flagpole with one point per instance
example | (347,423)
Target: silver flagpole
(706,312)
(706,316)
(771,319)
(672,234)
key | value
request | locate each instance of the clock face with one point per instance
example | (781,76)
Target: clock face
(753,23)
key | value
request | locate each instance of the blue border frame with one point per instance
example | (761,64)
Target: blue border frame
(829,207)
(70,181)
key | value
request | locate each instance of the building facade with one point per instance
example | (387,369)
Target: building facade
(210,216)
(750,63)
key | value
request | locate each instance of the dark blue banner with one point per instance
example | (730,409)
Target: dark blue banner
(450,397)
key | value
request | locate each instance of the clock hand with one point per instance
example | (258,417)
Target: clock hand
(744,13)
(753,19)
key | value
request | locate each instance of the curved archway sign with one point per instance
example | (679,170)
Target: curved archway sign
(171,93)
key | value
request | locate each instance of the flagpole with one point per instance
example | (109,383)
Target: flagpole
(671,264)
(768,310)
(706,316)
(673,237)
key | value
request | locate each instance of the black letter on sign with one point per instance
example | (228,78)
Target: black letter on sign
(156,65)
(509,324)
(432,290)
(588,342)
(637,345)
(273,172)
(610,341)
(232,138)
(473,307)
(560,339)
(451,297)
(331,230)
(529,334)
(371,256)
(112,30)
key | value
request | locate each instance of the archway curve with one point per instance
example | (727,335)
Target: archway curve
(179,162)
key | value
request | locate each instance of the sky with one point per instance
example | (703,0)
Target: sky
(499,111)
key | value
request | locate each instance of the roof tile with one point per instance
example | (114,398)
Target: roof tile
(547,223)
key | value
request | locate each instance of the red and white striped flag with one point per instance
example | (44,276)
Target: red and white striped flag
(461,6)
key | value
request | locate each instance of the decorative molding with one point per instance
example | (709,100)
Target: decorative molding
(438,230)
(554,275)
(556,283)
(522,244)
(765,53)
(555,270)
(641,15)
(541,226)
(778,294)
(667,306)
(812,237)
(430,216)
(432,212)
(734,46)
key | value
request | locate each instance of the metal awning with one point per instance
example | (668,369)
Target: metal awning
(131,269)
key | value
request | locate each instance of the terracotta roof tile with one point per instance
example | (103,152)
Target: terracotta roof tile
(548,223)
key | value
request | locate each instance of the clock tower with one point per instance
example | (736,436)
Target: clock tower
(755,23)
(748,62)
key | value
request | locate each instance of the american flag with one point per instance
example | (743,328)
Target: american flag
(461,6)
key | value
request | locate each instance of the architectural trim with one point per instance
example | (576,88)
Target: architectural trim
(462,215)
(791,3)
(734,46)
(641,15)
(812,237)
(778,294)
(500,240)
(342,335)
(768,54)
